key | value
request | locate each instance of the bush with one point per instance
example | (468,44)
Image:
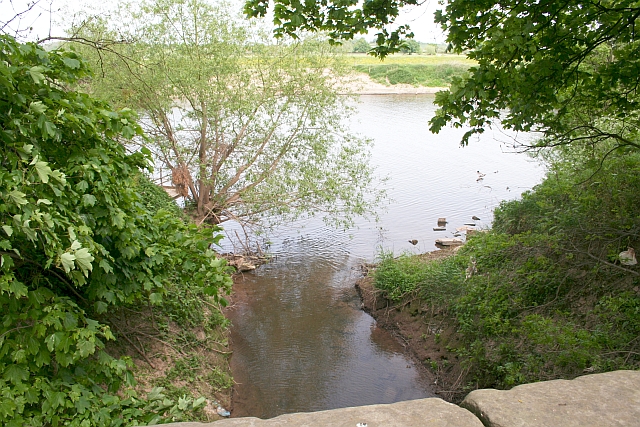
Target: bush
(77,241)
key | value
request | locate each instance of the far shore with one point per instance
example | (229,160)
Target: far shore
(362,84)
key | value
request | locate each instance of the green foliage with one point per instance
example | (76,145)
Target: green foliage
(265,119)
(341,20)
(154,198)
(361,46)
(76,241)
(435,281)
(550,298)
(431,75)
(568,69)
(410,46)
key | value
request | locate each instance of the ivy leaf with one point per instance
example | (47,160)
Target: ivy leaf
(43,201)
(8,229)
(75,245)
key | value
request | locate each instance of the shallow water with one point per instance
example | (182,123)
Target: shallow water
(300,341)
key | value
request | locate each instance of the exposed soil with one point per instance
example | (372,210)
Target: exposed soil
(155,354)
(426,332)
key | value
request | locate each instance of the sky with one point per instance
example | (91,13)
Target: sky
(47,17)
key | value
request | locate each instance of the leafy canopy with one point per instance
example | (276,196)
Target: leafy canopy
(251,130)
(75,240)
(566,68)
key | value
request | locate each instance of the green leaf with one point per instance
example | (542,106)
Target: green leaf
(18,197)
(84,259)
(71,63)
(88,200)
(36,74)
(16,374)
(67,261)
(43,170)
(37,107)
(155,298)
(43,201)
(106,266)
(8,229)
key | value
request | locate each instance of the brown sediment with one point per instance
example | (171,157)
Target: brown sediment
(426,332)
(362,84)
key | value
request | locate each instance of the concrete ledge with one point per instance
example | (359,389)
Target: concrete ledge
(430,412)
(611,399)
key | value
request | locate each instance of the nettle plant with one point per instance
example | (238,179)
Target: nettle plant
(75,240)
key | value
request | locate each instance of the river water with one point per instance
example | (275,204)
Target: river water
(300,340)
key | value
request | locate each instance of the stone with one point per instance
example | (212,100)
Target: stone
(442,222)
(439,228)
(430,412)
(610,399)
(448,242)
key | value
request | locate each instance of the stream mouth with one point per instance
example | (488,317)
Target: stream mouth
(300,340)
(301,343)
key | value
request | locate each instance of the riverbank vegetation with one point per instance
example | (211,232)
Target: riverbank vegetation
(416,70)
(546,293)
(249,129)
(85,259)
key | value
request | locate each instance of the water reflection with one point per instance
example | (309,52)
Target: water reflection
(300,341)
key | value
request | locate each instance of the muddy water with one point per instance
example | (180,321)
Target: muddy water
(300,340)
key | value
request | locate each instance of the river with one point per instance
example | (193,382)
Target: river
(300,340)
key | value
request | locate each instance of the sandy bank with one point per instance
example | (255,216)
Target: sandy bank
(362,84)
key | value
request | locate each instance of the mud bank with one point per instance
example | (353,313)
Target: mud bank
(425,332)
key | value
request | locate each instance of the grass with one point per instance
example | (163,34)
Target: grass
(550,298)
(416,70)
(403,59)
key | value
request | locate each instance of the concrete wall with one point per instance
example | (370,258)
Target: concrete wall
(601,400)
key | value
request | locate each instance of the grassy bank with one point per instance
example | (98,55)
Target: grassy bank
(417,70)
(544,295)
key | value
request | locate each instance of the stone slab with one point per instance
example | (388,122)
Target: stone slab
(610,399)
(431,412)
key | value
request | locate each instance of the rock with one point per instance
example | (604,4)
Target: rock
(442,222)
(448,242)
(439,228)
(465,228)
(599,400)
(413,242)
(430,412)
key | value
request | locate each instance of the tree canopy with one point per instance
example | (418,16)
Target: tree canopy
(566,68)
(252,131)
(75,242)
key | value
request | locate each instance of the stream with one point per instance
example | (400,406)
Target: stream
(300,340)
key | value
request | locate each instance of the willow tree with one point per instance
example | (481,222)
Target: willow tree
(251,130)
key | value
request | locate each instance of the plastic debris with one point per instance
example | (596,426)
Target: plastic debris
(628,257)
(223,412)
(361,425)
